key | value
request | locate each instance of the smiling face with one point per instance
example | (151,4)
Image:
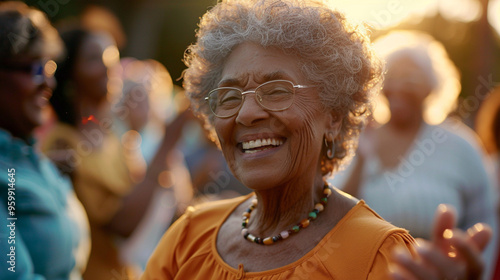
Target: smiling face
(22,98)
(265,149)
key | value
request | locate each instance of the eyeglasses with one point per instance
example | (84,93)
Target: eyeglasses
(276,95)
(39,70)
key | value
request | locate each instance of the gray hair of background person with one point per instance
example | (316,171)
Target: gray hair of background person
(26,32)
(335,56)
(431,56)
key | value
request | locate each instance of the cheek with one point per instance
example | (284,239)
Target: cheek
(88,74)
(223,130)
(307,133)
(20,88)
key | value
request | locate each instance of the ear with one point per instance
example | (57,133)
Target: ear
(333,124)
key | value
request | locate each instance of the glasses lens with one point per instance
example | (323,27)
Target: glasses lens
(37,72)
(276,95)
(225,102)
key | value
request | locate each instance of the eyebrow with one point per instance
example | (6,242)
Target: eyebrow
(276,75)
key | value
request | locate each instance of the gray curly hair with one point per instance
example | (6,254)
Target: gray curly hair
(334,54)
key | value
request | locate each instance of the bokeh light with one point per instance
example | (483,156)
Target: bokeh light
(111,56)
(381,14)
(50,68)
(494,14)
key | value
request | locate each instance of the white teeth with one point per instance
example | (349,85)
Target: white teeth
(260,143)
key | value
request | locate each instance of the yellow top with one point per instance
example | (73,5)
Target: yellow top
(101,180)
(358,247)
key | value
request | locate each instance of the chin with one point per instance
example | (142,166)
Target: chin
(259,181)
(36,119)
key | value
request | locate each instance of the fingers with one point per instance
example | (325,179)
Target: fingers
(452,253)
(458,256)
(399,273)
(443,219)
(408,268)
(445,266)
(480,234)
(469,247)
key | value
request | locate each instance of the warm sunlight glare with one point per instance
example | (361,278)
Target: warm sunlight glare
(494,14)
(111,56)
(50,68)
(381,14)
(460,10)
(381,112)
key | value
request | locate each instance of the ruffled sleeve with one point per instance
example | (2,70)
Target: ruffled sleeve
(380,268)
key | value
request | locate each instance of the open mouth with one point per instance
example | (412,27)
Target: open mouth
(253,146)
(42,99)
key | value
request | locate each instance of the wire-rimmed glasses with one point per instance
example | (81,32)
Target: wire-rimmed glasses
(276,95)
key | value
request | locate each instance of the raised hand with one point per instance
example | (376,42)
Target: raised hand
(451,254)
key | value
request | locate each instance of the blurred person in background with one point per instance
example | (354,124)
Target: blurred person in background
(143,106)
(212,179)
(487,125)
(407,167)
(48,236)
(83,145)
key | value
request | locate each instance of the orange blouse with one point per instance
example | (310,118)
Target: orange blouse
(358,247)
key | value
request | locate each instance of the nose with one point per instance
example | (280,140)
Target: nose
(250,111)
(50,82)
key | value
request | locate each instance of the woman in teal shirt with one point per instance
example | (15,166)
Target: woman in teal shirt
(44,231)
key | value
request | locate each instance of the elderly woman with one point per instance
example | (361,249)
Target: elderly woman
(45,231)
(284,87)
(407,167)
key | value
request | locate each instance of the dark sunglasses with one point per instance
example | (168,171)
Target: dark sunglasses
(39,70)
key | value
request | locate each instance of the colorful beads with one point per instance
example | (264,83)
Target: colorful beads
(305,223)
(327,192)
(268,241)
(251,237)
(318,207)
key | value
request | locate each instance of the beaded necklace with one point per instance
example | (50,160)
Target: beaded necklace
(318,207)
